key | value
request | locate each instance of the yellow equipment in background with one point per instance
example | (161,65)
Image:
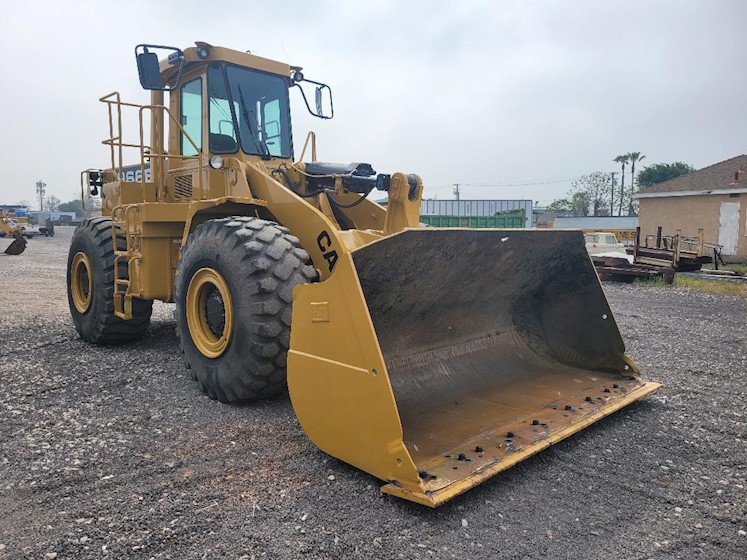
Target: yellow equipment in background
(9,226)
(430,358)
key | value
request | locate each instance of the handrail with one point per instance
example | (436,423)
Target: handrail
(116,143)
(310,136)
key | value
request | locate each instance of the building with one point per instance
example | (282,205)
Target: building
(19,210)
(713,199)
(508,210)
(58,218)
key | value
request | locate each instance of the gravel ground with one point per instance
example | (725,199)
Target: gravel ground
(114,453)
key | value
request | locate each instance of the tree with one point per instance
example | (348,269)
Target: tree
(660,172)
(580,203)
(634,157)
(52,203)
(73,206)
(589,196)
(560,206)
(591,193)
(623,160)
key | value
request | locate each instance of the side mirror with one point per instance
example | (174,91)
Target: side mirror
(148,67)
(324,108)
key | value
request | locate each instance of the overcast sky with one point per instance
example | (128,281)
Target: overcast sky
(478,93)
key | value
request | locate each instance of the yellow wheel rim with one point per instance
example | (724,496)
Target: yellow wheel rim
(209,311)
(81,282)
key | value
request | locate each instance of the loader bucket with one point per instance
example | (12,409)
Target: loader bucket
(18,246)
(494,344)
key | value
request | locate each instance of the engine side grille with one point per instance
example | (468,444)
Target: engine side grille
(183,186)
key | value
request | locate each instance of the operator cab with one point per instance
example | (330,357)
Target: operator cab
(243,102)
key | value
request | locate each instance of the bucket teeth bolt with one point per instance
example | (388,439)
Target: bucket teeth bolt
(589,399)
(535,422)
(510,435)
(425,475)
(615,386)
(568,407)
(606,389)
(479,449)
(462,457)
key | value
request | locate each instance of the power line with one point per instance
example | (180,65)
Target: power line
(526,184)
(521,184)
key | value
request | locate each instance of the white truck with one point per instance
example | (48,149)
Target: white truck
(603,242)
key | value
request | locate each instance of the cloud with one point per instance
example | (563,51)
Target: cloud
(468,92)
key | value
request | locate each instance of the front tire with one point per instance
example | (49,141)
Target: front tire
(90,287)
(234,290)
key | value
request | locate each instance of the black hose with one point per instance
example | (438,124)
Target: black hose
(350,204)
(292,186)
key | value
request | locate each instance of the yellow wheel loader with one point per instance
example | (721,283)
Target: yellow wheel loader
(10,227)
(431,358)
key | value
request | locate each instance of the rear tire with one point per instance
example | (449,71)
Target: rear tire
(90,287)
(234,289)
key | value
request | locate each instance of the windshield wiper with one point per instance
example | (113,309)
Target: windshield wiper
(252,125)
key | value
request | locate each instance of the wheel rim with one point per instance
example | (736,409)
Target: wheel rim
(81,282)
(209,312)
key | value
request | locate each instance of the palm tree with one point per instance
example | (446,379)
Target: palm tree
(622,160)
(633,157)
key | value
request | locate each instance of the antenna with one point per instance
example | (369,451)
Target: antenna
(456,190)
(41,189)
(287,58)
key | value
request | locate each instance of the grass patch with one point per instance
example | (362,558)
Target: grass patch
(740,269)
(721,287)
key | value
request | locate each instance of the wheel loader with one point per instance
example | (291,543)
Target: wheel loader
(9,226)
(430,358)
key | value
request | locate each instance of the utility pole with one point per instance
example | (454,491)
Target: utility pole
(41,189)
(456,190)
(612,196)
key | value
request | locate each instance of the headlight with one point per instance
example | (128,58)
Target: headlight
(216,162)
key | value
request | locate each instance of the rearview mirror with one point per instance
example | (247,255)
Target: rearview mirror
(323,95)
(323,106)
(149,70)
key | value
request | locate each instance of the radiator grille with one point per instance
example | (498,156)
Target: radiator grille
(183,186)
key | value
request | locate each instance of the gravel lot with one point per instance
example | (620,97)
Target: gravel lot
(112,452)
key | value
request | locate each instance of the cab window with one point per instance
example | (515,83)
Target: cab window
(222,134)
(191,117)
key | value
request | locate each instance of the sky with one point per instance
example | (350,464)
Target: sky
(508,98)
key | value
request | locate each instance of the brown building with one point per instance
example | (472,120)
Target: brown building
(713,198)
